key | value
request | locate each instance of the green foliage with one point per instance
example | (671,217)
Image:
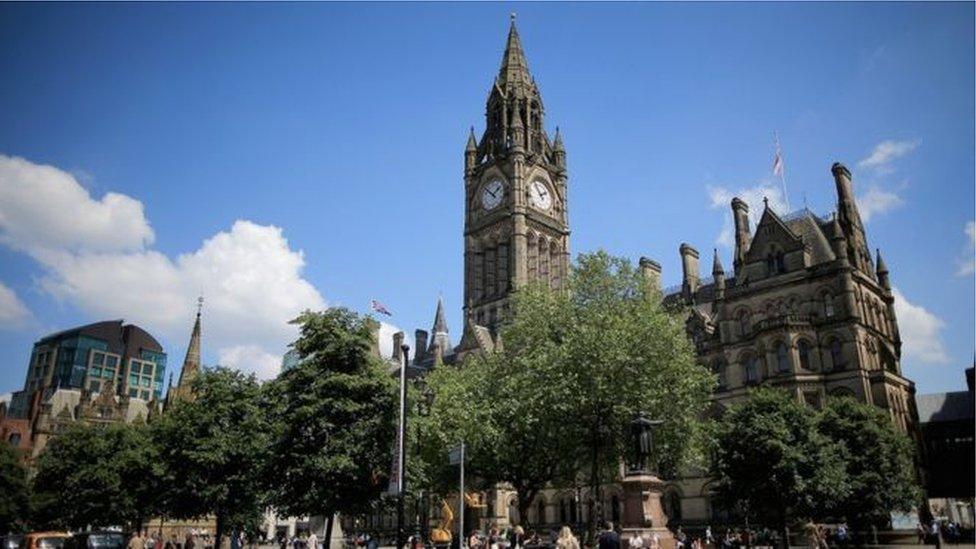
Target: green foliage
(14,503)
(878,461)
(772,460)
(333,419)
(784,460)
(213,448)
(576,368)
(109,473)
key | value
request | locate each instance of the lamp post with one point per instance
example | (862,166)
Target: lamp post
(424,403)
(401,446)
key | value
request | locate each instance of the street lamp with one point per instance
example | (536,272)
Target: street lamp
(401,446)
(424,404)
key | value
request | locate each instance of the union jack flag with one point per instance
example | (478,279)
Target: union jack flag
(380,308)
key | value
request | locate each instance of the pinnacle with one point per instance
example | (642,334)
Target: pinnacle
(514,72)
(717,265)
(440,323)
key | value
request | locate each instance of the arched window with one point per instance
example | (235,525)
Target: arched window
(752,369)
(719,369)
(803,349)
(744,322)
(782,358)
(14,439)
(828,303)
(672,504)
(540,512)
(837,355)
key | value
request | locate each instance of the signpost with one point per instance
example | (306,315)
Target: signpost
(456,456)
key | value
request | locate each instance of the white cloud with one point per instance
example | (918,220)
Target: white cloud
(251,359)
(967,266)
(721,197)
(920,332)
(877,201)
(885,153)
(13,312)
(45,209)
(249,276)
(6,397)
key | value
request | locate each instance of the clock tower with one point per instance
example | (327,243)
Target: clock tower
(516,228)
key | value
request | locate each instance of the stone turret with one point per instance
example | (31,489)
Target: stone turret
(718,273)
(740,215)
(690,279)
(652,276)
(558,151)
(471,152)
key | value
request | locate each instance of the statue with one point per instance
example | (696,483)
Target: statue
(442,534)
(642,443)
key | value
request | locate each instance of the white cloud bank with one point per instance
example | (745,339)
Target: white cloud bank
(13,312)
(885,153)
(920,332)
(967,266)
(721,198)
(249,276)
(877,201)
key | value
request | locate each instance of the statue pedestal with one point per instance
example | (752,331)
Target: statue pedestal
(643,513)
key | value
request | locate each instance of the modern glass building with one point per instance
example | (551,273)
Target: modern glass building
(98,356)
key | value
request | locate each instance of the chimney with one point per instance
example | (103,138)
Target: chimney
(397,351)
(740,214)
(718,273)
(842,179)
(420,342)
(689,271)
(652,276)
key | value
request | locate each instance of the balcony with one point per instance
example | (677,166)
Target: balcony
(782,321)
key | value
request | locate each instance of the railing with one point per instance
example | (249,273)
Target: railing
(790,319)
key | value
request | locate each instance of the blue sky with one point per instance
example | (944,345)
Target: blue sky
(281,156)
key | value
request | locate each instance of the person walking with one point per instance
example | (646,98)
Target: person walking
(566,539)
(313,541)
(516,538)
(190,542)
(609,539)
(636,542)
(136,541)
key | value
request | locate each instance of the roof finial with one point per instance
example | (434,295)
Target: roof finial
(512,17)
(766,201)
(199,305)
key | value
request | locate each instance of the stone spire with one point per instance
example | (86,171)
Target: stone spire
(191,364)
(882,272)
(439,332)
(472,145)
(514,76)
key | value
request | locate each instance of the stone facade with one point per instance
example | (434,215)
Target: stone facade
(806,307)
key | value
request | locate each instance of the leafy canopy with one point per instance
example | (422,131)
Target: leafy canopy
(213,448)
(333,418)
(14,503)
(109,473)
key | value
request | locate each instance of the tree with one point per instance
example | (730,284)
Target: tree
(14,503)
(214,447)
(333,419)
(109,473)
(577,368)
(771,459)
(878,461)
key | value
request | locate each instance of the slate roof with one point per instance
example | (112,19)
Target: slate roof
(945,407)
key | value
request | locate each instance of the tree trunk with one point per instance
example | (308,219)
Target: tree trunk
(219,533)
(785,533)
(594,493)
(327,542)
(525,497)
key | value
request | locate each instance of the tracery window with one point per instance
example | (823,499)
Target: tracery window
(782,358)
(803,349)
(837,355)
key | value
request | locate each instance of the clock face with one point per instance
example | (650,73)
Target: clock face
(492,194)
(540,196)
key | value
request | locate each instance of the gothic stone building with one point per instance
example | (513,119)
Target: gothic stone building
(805,308)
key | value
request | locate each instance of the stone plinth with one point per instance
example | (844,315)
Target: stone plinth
(643,513)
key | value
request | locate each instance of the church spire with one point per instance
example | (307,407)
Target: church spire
(191,364)
(514,73)
(439,332)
